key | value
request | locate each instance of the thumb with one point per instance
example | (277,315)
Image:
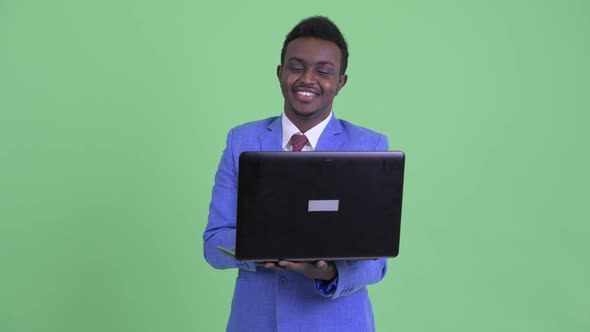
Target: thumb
(322,265)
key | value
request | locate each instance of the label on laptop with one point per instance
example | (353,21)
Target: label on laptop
(323,205)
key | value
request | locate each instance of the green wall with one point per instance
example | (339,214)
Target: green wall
(113,116)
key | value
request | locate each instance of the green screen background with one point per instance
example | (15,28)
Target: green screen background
(113,116)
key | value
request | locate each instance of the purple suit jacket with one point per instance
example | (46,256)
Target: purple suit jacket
(268,300)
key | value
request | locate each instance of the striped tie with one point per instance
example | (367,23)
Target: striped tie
(298,142)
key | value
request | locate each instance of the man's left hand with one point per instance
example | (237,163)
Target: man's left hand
(321,270)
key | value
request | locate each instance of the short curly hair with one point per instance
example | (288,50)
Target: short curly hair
(319,27)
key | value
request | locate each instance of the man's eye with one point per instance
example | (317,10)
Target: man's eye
(296,69)
(323,72)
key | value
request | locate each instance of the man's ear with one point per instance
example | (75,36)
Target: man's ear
(279,72)
(341,82)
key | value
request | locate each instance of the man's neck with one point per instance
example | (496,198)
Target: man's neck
(305,124)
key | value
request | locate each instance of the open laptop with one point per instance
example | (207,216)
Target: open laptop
(305,206)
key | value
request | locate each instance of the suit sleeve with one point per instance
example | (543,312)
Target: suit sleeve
(221,226)
(356,274)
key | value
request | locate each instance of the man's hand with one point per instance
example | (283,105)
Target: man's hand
(321,270)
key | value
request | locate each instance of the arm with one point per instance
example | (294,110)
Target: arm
(356,274)
(221,226)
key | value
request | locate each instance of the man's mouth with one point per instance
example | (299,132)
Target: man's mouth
(305,96)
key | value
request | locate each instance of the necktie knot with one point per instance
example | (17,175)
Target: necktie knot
(298,142)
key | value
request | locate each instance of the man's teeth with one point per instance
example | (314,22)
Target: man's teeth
(305,93)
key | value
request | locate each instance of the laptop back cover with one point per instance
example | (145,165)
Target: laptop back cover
(319,205)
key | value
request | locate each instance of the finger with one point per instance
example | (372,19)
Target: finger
(294,266)
(269,265)
(276,268)
(322,265)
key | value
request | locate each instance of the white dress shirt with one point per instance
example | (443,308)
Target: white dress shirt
(313,134)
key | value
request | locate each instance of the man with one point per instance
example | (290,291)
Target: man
(296,296)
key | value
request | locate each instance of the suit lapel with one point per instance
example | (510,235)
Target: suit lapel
(273,139)
(332,137)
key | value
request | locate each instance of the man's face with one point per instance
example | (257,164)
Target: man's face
(310,79)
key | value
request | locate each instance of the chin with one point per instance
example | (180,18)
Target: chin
(305,114)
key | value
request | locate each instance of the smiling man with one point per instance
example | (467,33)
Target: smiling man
(296,296)
(310,76)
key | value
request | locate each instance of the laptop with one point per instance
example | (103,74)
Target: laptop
(306,206)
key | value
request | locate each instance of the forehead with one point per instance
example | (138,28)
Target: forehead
(313,50)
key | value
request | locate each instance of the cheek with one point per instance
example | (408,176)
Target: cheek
(285,85)
(284,81)
(285,88)
(331,89)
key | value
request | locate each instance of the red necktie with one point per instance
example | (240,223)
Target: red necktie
(298,142)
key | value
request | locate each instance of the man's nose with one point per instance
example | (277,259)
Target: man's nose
(308,76)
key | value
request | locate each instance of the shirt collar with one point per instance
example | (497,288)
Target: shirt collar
(313,134)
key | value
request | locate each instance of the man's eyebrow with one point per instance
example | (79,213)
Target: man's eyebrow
(318,63)
(325,63)
(295,59)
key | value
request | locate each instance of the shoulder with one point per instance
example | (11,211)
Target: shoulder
(250,135)
(360,138)
(358,130)
(254,127)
